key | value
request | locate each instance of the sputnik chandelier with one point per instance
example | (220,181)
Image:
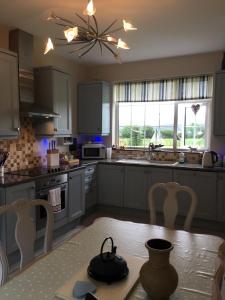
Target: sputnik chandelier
(84,37)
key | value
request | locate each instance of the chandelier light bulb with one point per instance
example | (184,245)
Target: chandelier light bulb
(128,26)
(111,39)
(122,44)
(71,33)
(90,9)
(49,46)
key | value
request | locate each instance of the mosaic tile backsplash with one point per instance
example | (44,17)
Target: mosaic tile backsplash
(190,157)
(24,152)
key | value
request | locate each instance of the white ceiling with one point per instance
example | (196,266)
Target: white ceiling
(165,27)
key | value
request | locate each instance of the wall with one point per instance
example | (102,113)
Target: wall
(207,63)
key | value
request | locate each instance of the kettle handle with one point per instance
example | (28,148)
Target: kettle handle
(215,155)
(113,249)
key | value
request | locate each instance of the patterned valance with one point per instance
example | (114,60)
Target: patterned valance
(184,88)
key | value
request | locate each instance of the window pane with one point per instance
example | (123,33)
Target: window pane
(160,118)
(144,122)
(191,129)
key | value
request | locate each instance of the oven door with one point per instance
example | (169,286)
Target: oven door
(41,214)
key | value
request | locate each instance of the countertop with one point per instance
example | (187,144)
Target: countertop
(12,179)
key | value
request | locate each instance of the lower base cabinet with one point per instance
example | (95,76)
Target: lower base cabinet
(76,194)
(205,186)
(8,220)
(110,185)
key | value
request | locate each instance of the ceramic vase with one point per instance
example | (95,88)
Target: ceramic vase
(157,276)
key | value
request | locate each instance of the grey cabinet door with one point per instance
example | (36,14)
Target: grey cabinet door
(221,197)
(135,194)
(76,194)
(205,186)
(155,175)
(9,100)
(219,104)
(110,185)
(94,108)
(61,102)
(21,191)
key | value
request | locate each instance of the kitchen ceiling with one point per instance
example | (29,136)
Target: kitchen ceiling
(165,27)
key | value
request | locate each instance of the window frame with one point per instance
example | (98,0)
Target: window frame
(176,104)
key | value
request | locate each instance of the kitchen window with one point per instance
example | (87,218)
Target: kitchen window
(174,112)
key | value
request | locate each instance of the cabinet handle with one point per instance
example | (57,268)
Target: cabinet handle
(17,128)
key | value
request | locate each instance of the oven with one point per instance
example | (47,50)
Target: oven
(43,187)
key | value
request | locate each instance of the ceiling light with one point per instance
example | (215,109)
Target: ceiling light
(49,46)
(87,35)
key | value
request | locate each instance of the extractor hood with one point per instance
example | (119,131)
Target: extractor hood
(34,110)
(21,42)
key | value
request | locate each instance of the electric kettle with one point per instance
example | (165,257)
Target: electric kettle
(108,266)
(209,159)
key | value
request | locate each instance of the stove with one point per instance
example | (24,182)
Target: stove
(36,172)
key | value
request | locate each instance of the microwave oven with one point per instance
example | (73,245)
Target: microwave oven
(93,151)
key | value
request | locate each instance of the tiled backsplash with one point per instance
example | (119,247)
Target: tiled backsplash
(24,152)
(190,157)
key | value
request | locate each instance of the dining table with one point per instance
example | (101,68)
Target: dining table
(194,256)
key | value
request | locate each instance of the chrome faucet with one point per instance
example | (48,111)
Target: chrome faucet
(151,148)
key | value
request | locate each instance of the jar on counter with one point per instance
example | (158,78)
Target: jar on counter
(181,158)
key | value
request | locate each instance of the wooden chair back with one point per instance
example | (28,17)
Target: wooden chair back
(170,205)
(25,232)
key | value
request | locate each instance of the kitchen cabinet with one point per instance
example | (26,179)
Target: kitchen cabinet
(9,112)
(21,191)
(135,188)
(138,181)
(221,197)
(94,108)
(205,186)
(155,175)
(219,104)
(52,90)
(76,194)
(110,185)
(90,186)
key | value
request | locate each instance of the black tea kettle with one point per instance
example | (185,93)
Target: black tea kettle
(108,266)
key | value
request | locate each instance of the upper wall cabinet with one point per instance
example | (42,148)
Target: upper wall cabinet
(94,108)
(219,106)
(9,99)
(52,90)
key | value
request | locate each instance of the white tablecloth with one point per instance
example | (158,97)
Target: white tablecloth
(194,257)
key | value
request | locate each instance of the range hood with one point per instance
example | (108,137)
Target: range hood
(34,110)
(21,42)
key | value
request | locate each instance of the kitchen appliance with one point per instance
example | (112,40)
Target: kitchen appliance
(209,159)
(65,141)
(43,186)
(21,42)
(93,151)
(108,266)
(45,180)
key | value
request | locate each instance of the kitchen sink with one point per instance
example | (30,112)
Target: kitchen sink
(148,162)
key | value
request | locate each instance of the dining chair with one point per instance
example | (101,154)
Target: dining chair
(170,205)
(219,275)
(25,232)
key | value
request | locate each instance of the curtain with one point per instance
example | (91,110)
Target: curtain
(184,88)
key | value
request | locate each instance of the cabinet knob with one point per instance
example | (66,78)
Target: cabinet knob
(55,129)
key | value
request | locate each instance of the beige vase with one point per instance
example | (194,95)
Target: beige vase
(157,276)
